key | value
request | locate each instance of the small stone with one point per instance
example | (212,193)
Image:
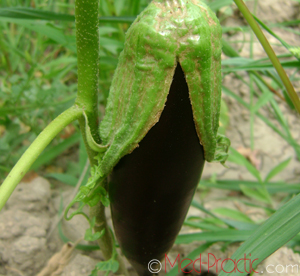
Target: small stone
(25,253)
(32,196)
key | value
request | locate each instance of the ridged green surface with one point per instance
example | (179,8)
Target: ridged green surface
(165,33)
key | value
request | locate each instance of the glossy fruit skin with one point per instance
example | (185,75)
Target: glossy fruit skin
(151,188)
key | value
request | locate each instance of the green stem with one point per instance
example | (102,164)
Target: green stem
(87,42)
(270,52)
(106,243)
(35,149)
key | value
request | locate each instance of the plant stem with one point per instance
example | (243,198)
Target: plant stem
(34,150)
(105,243)
(87,42)
(270,52)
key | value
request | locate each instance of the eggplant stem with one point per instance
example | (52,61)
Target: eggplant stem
(87,44)
(106,241)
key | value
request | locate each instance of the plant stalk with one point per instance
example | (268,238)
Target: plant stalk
(105,243)
(34,150)
(87,42)
(270,52)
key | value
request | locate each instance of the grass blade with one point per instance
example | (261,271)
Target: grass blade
(193,255)
(34,14)
(235,185)
(233,214)
(239,159)
(63,177)
(230,235)
(286,45)
(274,233)
(280,167)
(51,153)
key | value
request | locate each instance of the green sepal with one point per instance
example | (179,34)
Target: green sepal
(163,35)
(89,137)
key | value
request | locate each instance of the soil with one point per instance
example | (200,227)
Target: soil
(29,238)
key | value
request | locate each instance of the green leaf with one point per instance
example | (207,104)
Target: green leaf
(119,5)
(105,201)
(33,14)
(111,45)
(107,30)
(49,30)
(52,152)
(270,236)
(255,193)
(192,255)
(93,200)
(218,4)
(28,13)
(109,265)
(203,209)
(202,225)
(63,177)
(276,170)
(234,185)
(240,225)
(288,99)
(233,214)
(258,65)
(263,99)
(296,52)
(263,118)
(94,272)
(286,45)
(215,236)
(90,236)
(239,159)
(228,50)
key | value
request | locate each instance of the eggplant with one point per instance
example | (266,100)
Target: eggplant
(151,189)
(160,125)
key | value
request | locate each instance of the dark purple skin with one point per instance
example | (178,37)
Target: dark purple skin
(151,189)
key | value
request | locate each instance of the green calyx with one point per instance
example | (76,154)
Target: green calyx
(164,34)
